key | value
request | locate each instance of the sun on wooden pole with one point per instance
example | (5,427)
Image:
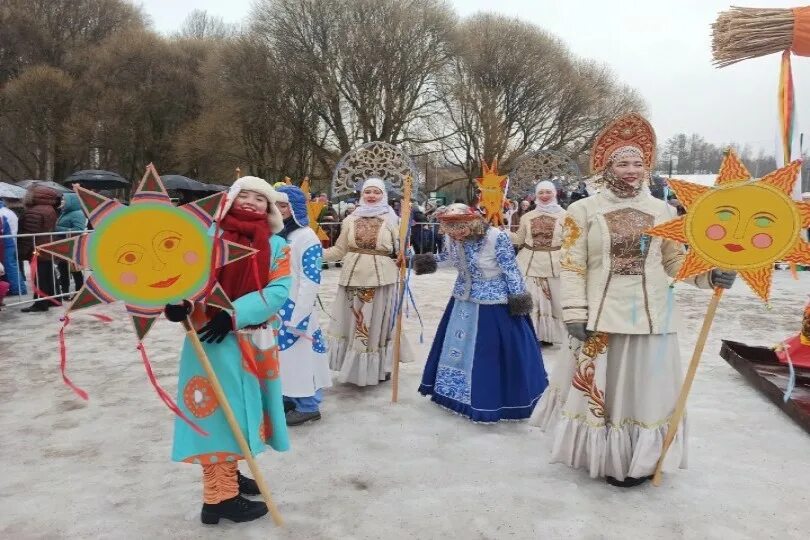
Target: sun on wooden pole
(680,405)
(404,222)
(234,425)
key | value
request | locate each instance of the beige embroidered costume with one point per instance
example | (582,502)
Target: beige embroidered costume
(360,335)
(625,378)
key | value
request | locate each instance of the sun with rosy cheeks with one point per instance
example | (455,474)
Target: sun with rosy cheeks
(148,254)
(740,224)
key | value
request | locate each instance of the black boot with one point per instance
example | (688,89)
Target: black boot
(628,481)
(35,308)
(296,418)
(238,509)
(247,486)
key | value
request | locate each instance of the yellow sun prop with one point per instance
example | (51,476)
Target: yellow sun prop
(740,224)
(314,209)
(148,254)
(493,191)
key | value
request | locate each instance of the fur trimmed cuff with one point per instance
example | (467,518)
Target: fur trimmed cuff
(519,304)
(424,264)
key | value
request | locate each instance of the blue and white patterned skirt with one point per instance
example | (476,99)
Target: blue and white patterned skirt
(484,363)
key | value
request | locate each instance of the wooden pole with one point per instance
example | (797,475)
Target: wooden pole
(237,431)
(680,406)
(404,222)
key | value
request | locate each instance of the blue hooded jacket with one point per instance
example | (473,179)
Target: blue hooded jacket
(298,204)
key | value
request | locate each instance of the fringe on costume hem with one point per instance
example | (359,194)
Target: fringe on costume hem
(630,450)
(504,414)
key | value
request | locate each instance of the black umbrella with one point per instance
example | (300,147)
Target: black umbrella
(183,183)
(93,179)
(25,184)
(175,181)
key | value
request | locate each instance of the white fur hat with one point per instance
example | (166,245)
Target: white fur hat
(254,183)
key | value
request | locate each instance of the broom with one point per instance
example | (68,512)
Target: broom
(742,33)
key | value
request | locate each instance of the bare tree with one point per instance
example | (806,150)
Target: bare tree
(249,118)
(199,24)
(53,31)
(368,66)
(512,88)
(44,47)
(137,96)
(35,106)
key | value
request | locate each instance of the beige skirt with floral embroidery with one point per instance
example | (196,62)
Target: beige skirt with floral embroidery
(361,336)
(615,415)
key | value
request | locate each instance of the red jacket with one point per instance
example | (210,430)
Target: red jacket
(40,215)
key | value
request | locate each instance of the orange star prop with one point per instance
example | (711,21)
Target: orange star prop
(740,224)
(314,211)
(493,192)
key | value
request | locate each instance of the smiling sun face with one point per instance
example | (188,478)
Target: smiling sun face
(150,254)
(740,224)
(743,226)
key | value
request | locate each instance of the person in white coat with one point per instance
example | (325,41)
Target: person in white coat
(619,308)
(302,345)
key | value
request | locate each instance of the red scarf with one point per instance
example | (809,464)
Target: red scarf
(250,229)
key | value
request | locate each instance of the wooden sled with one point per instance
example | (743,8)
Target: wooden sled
(763,370)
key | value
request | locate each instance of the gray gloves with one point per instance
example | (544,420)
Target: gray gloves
(578,330)
(519,304)
(722,278)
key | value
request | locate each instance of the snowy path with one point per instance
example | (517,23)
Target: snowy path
(371,469)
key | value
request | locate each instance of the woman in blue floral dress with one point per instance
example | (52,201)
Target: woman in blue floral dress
(485,362)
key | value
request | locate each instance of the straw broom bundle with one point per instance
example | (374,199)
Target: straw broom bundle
(742,33)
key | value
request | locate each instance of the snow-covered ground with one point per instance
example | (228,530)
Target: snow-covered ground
(372,469)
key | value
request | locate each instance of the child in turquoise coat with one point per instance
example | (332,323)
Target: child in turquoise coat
(244,354)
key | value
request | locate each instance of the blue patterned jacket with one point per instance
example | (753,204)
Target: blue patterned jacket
(487,269)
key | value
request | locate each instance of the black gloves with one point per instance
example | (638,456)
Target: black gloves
(177,312)
(578,330)
(424,264)
(217,328)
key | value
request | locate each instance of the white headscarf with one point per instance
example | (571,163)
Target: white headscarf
(551,208)
(379,209)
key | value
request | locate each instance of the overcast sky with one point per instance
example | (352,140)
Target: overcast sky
(662,48)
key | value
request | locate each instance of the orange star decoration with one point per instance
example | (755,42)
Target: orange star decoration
(314,209)
(740,224)
(493,192)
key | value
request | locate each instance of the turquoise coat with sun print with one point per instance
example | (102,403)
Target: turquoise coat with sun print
(256,400)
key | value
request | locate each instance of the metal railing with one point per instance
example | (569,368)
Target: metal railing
(57,280)
(54,276)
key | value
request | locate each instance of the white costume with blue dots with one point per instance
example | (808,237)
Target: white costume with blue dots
(304,364)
